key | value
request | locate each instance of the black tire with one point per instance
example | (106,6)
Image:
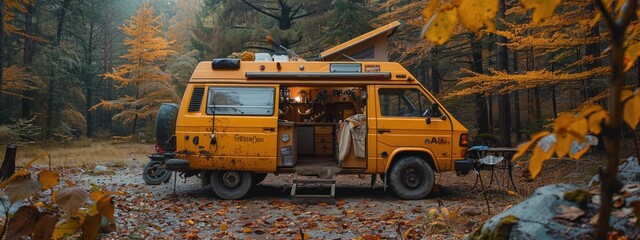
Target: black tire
(154,173)
(166,126)
(231,184)
(258,178)
(411,178)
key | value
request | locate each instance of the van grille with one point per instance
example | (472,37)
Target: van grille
(196,100)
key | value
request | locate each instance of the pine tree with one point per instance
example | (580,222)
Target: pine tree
(147,50)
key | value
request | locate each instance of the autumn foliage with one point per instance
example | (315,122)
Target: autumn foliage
(147,50)
(51,211)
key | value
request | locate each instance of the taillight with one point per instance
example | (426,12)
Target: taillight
(464,140)
(158,148)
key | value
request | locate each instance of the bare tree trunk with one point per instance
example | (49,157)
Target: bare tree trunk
(2,104)
(502,64)
(516,96)
(481,103)
(27,57)
(89,78)
(435,78)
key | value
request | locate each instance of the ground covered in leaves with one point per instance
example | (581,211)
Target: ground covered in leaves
(455,209)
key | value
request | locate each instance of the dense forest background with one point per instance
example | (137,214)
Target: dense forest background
(100,68)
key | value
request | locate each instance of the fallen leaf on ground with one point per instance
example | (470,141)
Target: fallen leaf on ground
(569,212)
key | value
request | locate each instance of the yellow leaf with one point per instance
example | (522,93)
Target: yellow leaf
(441,26)
(562,123)
(596,119)
(106,207)
(630,55)
(406,233)
(66,228)
(429,10)
(631,111)
(431,213)
(69,183)
(15,176)
(96,195)
(48,179)
(522,148)
(625,93)
(474,14)
(511,193)
(543,8)
(246,230)
(579,128)
(223,227)
(563,145)
(445,211)
(535,163)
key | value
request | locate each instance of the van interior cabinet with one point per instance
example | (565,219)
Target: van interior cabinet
(323,140)
(305,140)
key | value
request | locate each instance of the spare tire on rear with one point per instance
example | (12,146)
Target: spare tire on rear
(166,126)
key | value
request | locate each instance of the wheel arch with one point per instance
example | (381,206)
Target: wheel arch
(424,154)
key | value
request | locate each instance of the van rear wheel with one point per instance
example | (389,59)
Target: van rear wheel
(411,178)
(231,184)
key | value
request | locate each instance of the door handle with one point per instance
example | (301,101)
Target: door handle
(381,131)
(269,129)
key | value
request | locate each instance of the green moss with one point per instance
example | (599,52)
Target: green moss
(503,228)
(501,231)
(477,234)
(578,196)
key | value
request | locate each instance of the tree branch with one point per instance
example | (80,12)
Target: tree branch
(605,13)
(260,10)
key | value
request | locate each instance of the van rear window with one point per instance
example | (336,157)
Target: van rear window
(256,101)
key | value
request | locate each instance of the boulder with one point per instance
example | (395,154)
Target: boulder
(566,211)
(628,172)
(534,218)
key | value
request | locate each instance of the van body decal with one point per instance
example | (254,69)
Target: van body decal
(251,139)
(439,140)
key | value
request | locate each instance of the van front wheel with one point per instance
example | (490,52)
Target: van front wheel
(231,184)
(411,178)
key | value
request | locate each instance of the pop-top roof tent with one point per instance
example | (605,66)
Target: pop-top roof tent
(371,46)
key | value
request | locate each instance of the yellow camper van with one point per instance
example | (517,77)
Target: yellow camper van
(241,120)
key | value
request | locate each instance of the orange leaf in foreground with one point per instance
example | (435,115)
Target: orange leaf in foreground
(48,179)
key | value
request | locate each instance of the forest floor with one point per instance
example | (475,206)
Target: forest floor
(146,211)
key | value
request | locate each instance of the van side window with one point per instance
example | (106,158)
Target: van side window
(403,102)
(256,101)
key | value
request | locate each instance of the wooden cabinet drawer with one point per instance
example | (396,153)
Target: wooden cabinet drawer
(328,146)
(324,151)
(324,138)
(324,130)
